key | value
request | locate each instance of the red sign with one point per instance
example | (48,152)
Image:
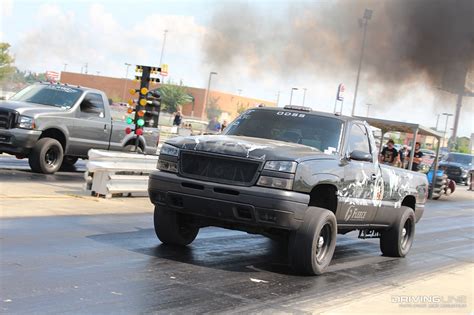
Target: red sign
(52,76)
(340,92)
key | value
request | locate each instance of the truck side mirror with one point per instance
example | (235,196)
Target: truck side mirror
(357,155)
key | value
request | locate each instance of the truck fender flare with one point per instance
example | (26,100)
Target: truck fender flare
(55,132)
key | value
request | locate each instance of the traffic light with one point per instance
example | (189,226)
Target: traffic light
(146,110)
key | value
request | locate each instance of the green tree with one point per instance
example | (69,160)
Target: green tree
(462,145)
(173,95)
(6,68)
(213,109)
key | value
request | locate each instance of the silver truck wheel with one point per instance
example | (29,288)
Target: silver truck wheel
(397,241)
(46,156)
(312,246)
(173,228)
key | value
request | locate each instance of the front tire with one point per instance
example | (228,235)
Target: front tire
(397,241)
(312,246)
(174,228)
(46,156)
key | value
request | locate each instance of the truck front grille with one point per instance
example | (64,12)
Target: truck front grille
(7,118)
(227,170)
(453,170)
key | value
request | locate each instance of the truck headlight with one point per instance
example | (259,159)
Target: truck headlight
(168,160)
(281,166)
(276,182)
(271,178)
(168,166)
(26,122)
(167,149)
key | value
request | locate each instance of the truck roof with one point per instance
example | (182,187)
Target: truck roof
(83,88)
(309,111)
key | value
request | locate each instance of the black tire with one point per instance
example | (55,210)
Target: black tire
(435,197)
(397,241)
(131,148)
(46,156)
(173,228)
(312,246)
(70,160)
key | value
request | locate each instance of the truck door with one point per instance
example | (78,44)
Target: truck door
(361,191)
(92,127)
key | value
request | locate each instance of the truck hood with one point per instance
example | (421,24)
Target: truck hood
(459,165)
(30,109)
(255,148)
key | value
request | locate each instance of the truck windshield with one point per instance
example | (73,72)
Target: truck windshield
(464,159)
(320,132)
(52,95)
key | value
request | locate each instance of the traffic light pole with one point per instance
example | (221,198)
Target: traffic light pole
(144,83)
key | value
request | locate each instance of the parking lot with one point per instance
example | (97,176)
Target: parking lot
(63,251)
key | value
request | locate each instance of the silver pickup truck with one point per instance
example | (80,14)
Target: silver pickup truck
(55,124)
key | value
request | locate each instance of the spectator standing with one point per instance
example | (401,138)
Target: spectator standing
(402,155)
(214,125)
(389,154)
(178,118)
(224,125)
(417,157)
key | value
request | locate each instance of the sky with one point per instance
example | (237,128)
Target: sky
(46,35)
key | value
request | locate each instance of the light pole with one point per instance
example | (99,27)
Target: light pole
(125,81)
(240,91)
(437,122)
(363,23)
(291,94)
(278,98)
(163,51)
(368,108)
(304,95)
(206,99)
(446,126)
(65,66)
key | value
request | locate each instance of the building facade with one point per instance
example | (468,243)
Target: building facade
(117,89)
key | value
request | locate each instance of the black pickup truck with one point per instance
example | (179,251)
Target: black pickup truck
(290,174)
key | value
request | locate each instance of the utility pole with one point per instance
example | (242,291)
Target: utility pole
(125,81)
(368,108)
(162,52)
(437,122)
(446,127)
(291,94)
(206,99)
(362,22)
(304,95)
(461,93)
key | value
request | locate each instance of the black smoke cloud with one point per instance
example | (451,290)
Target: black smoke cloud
(407,40)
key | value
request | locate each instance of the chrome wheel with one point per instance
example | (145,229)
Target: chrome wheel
(324,242)
(51,156)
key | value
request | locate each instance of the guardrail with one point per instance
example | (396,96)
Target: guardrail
(112,174)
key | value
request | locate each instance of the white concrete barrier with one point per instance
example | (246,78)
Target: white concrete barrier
(112,174)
